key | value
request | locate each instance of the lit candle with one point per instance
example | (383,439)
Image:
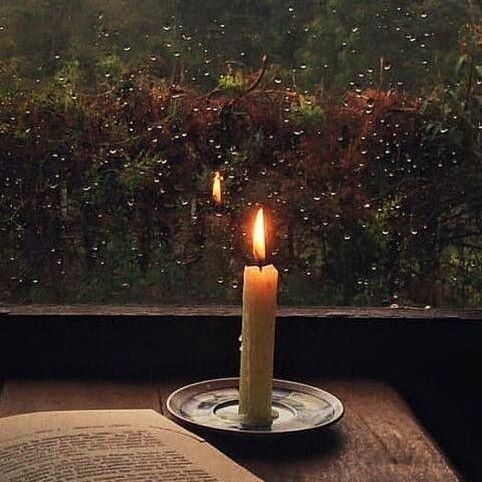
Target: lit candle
(258,333)
(217,195)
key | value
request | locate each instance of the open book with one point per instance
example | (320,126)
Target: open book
(108,445)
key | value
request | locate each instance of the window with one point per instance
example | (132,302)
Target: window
(356,124)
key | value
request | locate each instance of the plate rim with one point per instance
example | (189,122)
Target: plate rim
(337,404)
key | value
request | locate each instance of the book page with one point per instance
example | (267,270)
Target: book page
(108,445)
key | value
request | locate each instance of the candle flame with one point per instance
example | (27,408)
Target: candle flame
(259,243)
(217,196)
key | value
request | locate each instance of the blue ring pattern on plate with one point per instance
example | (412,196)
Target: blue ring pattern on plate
(213,405)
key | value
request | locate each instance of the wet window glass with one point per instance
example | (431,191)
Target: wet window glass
(355,124)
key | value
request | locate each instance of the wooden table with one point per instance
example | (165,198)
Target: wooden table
(379,439)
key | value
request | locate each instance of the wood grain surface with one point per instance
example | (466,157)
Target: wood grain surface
(379,439)
(382,313)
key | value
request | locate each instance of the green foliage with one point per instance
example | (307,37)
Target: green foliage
(112,65)
(362,138)
(231,83)
(309,112)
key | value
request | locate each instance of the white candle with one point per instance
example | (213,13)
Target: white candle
(258,334)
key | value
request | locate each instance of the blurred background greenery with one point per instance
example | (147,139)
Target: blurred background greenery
(356,124)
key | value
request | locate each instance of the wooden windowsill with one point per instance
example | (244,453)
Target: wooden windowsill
(350,313)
